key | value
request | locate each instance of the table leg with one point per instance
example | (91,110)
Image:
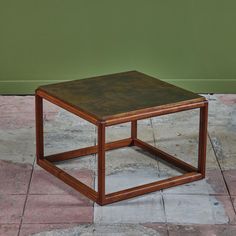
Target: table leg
(202,139)
(134,129)
(101,163)
(39,127)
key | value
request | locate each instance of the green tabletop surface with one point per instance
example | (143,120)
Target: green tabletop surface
(112,95)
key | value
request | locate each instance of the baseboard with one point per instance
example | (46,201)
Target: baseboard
(195,85)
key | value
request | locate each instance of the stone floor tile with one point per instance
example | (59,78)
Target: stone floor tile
(9,229)
(150,204)
(227,202)
(228,99)
(65,120)
(17,121)
(190,117)
(143,209)
(202,230)
(17,145)
(14,177)
(118,181)
(30,229)
(223,139)
(160,228)
(145,133)
(106,230)
(212,184)
(198,209)
(11,208)
(230,178)
(118,132)
(50,110)
(234,202)
(123,131)
(16,105)
(82,163)
(61,140)
(146,122)
(222,109)
(49,209)
(86,162)
(130,158)
(45,183)
(181,141)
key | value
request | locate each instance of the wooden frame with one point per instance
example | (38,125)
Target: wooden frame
(100,196)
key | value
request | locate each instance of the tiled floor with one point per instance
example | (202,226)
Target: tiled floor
(32,201)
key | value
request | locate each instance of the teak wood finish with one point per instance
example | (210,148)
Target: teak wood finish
(181,101)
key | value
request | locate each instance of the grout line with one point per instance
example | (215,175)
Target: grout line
(222,173)
(27,194)
(164,207)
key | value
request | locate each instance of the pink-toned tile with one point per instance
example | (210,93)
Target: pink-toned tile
(216,181)
(228,208)
(9,229)
(228,99)
(11,208)
(160,228)
(202,230)
(45,183)
(16,104)
(234,203)
(29,229)
(17,121)
(19,111)
(14,177)
(230,177)
(58,209)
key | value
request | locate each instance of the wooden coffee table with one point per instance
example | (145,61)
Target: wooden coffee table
(114,99)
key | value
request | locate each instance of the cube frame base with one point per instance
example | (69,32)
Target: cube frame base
(100,197)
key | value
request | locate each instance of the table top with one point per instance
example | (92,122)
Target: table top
(110,96)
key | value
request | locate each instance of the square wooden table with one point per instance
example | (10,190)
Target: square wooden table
(114,99)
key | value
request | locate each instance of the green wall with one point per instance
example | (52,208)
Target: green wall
(191,43)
